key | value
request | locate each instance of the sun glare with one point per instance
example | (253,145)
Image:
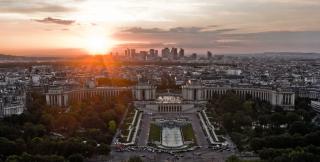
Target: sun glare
(98,45)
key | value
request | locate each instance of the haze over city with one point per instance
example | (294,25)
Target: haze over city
(77,27)
(159,80)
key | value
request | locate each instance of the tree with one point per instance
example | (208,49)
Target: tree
(248,107)
(233,158)
(77,146)
(264,119)
(93,120)
(277,119)
(240,119)
(35,145)
(269,153)
(13,158)
(237,139)
(281,158)
(301,156)
(292,117)
(22,146)
(31,130)
(135,159)
(9,132)
(104,149)
(47,119)
(76,158)
(108,115)
(306,115)
(66,122)
(32,158)
(7,147)
(112,126)
(256,144)
(313,138)
(230,103)
(120,108)
(228,121)
(302,103)
(299,127)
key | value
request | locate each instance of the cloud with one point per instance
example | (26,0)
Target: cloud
(186,29)
(143,30)
(294,2)
(196,37)
(55,21)
(209,29)
(279,36)
(220,39)
(141,45)
(30,6)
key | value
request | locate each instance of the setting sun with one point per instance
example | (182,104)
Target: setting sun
(97,44)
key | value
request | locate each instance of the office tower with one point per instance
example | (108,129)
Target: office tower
(127,52)
(132,52)
(219,57)
(156,53)
(194,56)
(209,55)
(174,53)
(165,52)
(152,52)
(181,53)
(143,55)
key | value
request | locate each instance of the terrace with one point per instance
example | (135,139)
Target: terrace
(130,128)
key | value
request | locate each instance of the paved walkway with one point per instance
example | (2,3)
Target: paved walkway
(198,132)
(143,134)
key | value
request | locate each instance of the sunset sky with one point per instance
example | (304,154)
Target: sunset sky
(71,27)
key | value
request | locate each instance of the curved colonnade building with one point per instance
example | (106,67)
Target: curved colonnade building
(63,98)
(198,92)
(146,98)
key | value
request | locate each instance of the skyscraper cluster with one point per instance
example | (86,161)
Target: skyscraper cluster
(166,54)
(172,54)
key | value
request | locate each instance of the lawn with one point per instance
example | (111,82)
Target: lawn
(154,133)
(187,132)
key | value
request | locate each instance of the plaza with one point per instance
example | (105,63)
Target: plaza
(173,144)
(167,124)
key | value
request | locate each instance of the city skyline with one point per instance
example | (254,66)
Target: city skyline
(73,27)
(160,80)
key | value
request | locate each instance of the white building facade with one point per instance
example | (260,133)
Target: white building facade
(15,107)
(195,91)
(61,98)
(193,94)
